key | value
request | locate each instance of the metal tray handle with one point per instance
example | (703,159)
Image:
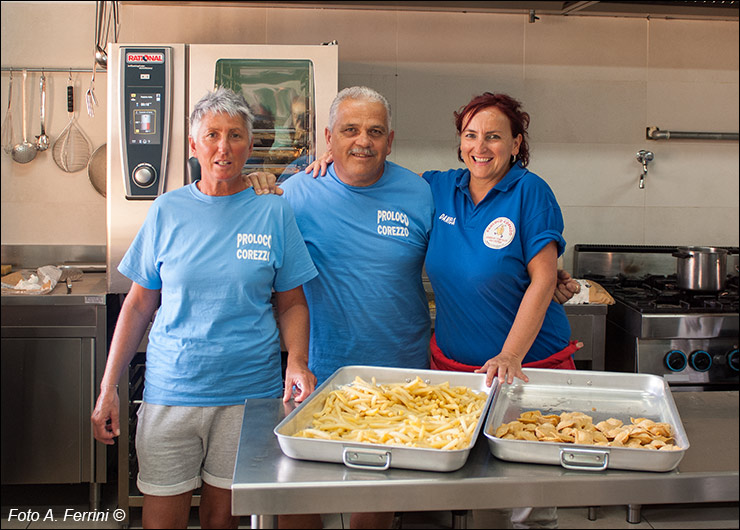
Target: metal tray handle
(584,459)
(374,459)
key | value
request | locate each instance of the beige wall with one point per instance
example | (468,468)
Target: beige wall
(591,84)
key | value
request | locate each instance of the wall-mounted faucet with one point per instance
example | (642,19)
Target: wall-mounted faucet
(644,157)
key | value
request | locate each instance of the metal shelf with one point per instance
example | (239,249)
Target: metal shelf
(51,69)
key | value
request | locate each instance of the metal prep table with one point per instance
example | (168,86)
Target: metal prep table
(53,355)
(267,483)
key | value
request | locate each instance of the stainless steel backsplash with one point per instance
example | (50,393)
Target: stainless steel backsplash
(33,256)
(633,260)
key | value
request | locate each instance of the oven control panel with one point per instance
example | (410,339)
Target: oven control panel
(690,361)
(145,117)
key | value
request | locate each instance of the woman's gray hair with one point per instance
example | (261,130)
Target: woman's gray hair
(358,92)
(221,100)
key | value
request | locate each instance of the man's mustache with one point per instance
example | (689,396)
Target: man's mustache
(361,151)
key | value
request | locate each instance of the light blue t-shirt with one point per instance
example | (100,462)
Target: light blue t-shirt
(214,340)
(477,262)
(368,304)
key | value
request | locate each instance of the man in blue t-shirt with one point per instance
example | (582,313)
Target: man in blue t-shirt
(367,228)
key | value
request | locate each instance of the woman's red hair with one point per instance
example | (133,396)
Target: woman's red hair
(512,108)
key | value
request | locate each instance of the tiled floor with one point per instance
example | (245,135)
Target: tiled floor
(36,500)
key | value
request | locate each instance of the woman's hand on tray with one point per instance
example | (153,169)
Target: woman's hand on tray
(506,365)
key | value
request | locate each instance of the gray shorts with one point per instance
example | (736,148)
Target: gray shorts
(178,447)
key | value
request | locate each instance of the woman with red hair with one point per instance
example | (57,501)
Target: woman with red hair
(492,261)
(492,256)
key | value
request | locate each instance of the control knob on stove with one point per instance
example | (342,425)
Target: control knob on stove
(676,360)
(733,360)
(700,361)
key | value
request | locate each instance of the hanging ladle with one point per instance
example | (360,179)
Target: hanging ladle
(25,151)
(101,11)
(101,57)
(105,16)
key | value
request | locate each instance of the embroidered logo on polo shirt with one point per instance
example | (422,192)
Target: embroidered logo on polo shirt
(447,219)
(499,233)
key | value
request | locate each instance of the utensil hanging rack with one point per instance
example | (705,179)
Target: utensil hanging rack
(49,70)
(654,133)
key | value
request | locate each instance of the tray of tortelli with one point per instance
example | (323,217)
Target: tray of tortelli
(587,420)
(375,418)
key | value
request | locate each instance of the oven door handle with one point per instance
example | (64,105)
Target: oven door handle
(584,459)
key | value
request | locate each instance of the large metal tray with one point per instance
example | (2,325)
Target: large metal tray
(376,456)
(601,395)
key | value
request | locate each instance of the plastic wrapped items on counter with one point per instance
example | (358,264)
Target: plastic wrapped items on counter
(41,281)
(591,293)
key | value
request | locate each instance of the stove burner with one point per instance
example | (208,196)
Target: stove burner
(660,294)
(690,338)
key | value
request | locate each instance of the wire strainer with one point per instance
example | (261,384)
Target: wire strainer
(72,149)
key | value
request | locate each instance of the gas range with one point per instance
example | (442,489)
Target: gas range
(690,338)
(660,294)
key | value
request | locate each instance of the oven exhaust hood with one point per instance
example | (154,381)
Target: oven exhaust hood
(690,10)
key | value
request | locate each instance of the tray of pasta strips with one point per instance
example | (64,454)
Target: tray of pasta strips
(587,420)
(375,418)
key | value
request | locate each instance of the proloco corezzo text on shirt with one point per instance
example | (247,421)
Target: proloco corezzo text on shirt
(385,216)
(243,240)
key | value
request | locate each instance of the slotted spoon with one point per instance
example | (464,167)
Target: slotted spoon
(42,140)
(72,149)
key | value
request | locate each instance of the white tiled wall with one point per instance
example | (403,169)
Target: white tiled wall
(591,84)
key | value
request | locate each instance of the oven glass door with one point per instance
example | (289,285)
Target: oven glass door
(280,94)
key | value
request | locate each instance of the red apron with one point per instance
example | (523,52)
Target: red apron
(561,360)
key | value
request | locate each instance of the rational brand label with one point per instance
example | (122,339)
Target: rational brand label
(144,58)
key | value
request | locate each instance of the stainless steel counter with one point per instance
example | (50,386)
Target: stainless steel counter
(88,290)
(266,482)
(53,353)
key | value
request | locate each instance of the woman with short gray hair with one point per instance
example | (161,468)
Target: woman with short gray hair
(207,259)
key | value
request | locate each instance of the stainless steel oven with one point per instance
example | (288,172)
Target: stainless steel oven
(151,92)
(688,337)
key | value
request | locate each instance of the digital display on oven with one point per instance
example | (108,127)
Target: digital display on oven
(145,110)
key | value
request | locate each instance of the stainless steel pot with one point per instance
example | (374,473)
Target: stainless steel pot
(701,268)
